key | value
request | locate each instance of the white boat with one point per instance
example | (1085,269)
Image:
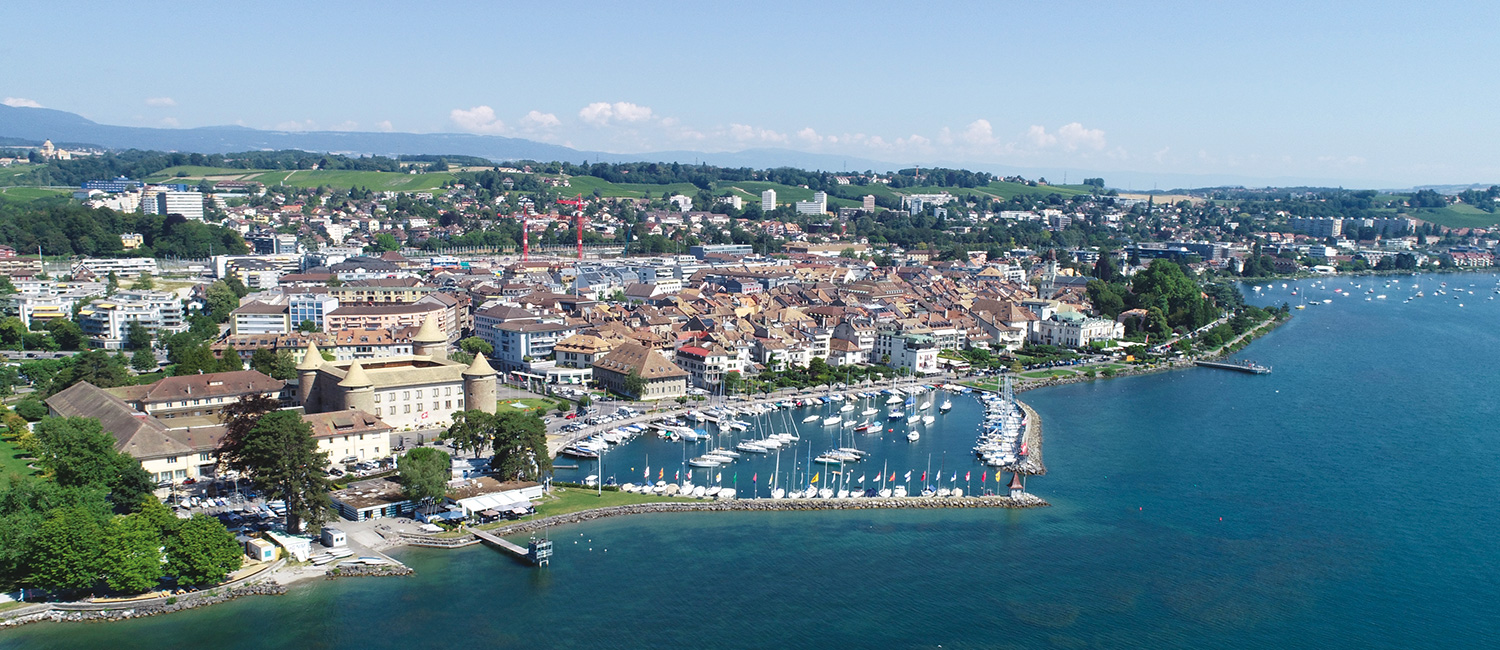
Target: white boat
(885,494)
(846,408)
(947,405)
(713,491)
(700,491)
(898,491)
(913,436)
(928,420)
(825,493)
(832,420)
(810,418)
(751,447)
(869,412)
(913,418)
(843,494)
(926,404)
(778,493)
(957,492)
(704,461)
(893,400)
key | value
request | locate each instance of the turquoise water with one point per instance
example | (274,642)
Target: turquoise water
(1344,501)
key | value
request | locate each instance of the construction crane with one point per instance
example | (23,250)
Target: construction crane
(577,203)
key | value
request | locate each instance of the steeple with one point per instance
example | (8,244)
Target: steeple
(356,378)
(311,358)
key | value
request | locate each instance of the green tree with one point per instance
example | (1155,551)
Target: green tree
(221,300)
(520,444)
(67,550)
(385,242)
(471,430)
(31,409)
(137,337)
(307,326)
(131,554)
(144,282)
(78,453)
(202,552)
(143,360)
(276,449)
(476,346)
(424,473)
(277,365)
(635,384)
(111,284)
(12,331)
(67,334)
(195,360)
(231,360)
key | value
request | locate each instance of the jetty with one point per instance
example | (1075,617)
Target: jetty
(1246,367)
(538,552)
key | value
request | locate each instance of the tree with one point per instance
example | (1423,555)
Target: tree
(385,242)
(78,453)
(520,444)
(231,360)
(277,365)
(67,550)
(307,326)
(144,282)
(635,384)
(12,332)
(131,554)
(111,284)
(195,360)
(471,430)
(1105,269)
(221,300)
(31,409)
(143,360)
(424,473)
(202,552)
(67,334)
(476,346)
(276,449)
(137,337)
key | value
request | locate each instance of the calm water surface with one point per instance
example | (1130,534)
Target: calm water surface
(1347,501)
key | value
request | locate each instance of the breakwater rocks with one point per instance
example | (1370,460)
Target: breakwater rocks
(862,503)
(85,611)
(365,571)
(1033,465)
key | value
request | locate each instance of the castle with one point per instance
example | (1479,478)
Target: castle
(420,390)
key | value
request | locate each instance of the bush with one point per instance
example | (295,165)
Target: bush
(1109,372)
(31,409)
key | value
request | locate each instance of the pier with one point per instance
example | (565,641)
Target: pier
(1246,367)
(539,552)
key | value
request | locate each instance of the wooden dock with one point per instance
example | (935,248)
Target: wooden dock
(539,552)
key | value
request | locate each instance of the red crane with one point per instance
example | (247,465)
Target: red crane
(577,203)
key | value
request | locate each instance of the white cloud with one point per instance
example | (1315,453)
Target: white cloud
(20,102)
(979,133)
(170,122)
(480,119)
(810,136)
(1075,136)
(1039,136)
(160,101)
(384,125)
(746,133)
(540,120)
(602,113)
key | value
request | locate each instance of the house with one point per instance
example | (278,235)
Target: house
(1074,330)
(660,378)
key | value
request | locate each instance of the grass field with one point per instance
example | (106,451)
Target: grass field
(586,185)
(193,173)
(376,181)
(12,460)
(1050,372)
(32,193)
(1458,216)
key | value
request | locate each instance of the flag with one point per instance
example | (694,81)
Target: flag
(718,478)
(814,479)
(736,478)
(893,477)
(955,477)
(677,475)
(661,473)
(861,478)
(966,475)
(755,477)
(924,477)
(908,475)
(982,476)
(646,474)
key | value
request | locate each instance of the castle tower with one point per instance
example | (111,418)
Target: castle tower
(358,391)
(430,341)
(307,378)
(479,385)
(1016,489)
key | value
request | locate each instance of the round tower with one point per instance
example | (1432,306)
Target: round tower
(479,385)
(358,390)
(307,378)
(1017,490)
(430,341)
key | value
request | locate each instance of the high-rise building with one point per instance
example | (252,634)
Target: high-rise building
(768,200)
(187,204)
(869,203)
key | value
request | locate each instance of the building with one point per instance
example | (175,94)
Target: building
(380,291)
(1074,330)
(122,267)
(114,185)
(187,204)
(107,320)
(391,317)
(520,343)
(417,391)
(737,250)
(1317,226)
(818,204)
(767,201)
(256,317)
(169,453)
(315,307)
(131,240)
(915,352)
(706,365)
(868,203)
(661,378)
(349,436)
(197,395)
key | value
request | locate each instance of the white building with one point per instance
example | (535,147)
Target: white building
(818,204)
(123,267)
(310,307)
(768,200)
(107,320)
(1074,330)
(187,204)
(915,352)
(868,204)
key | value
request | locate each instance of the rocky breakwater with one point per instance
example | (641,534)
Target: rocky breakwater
(366,570)
(121,610)
(859,503)
(1032,465)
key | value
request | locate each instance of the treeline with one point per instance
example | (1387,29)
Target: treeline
(62,227)
(1172,300)
(137,164)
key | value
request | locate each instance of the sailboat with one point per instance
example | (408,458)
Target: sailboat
(947,406)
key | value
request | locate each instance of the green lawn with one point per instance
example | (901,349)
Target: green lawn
(566,500)
(12,460)
(376,181)
(586,185)
(530,402)
(1050,372)
(192,173)
(1457,216)
(32,193)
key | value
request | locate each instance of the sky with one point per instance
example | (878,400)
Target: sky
(1370,94)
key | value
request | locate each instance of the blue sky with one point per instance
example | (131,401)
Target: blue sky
(1368,94)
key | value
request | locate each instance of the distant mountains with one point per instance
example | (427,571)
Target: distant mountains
(63,127)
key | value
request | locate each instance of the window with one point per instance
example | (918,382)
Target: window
(408,408)
(460,403)
(205,456)
(377,398)
(448,404)
(171,460)
(181,473)
(419,393)
(448,391)
(405,394)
